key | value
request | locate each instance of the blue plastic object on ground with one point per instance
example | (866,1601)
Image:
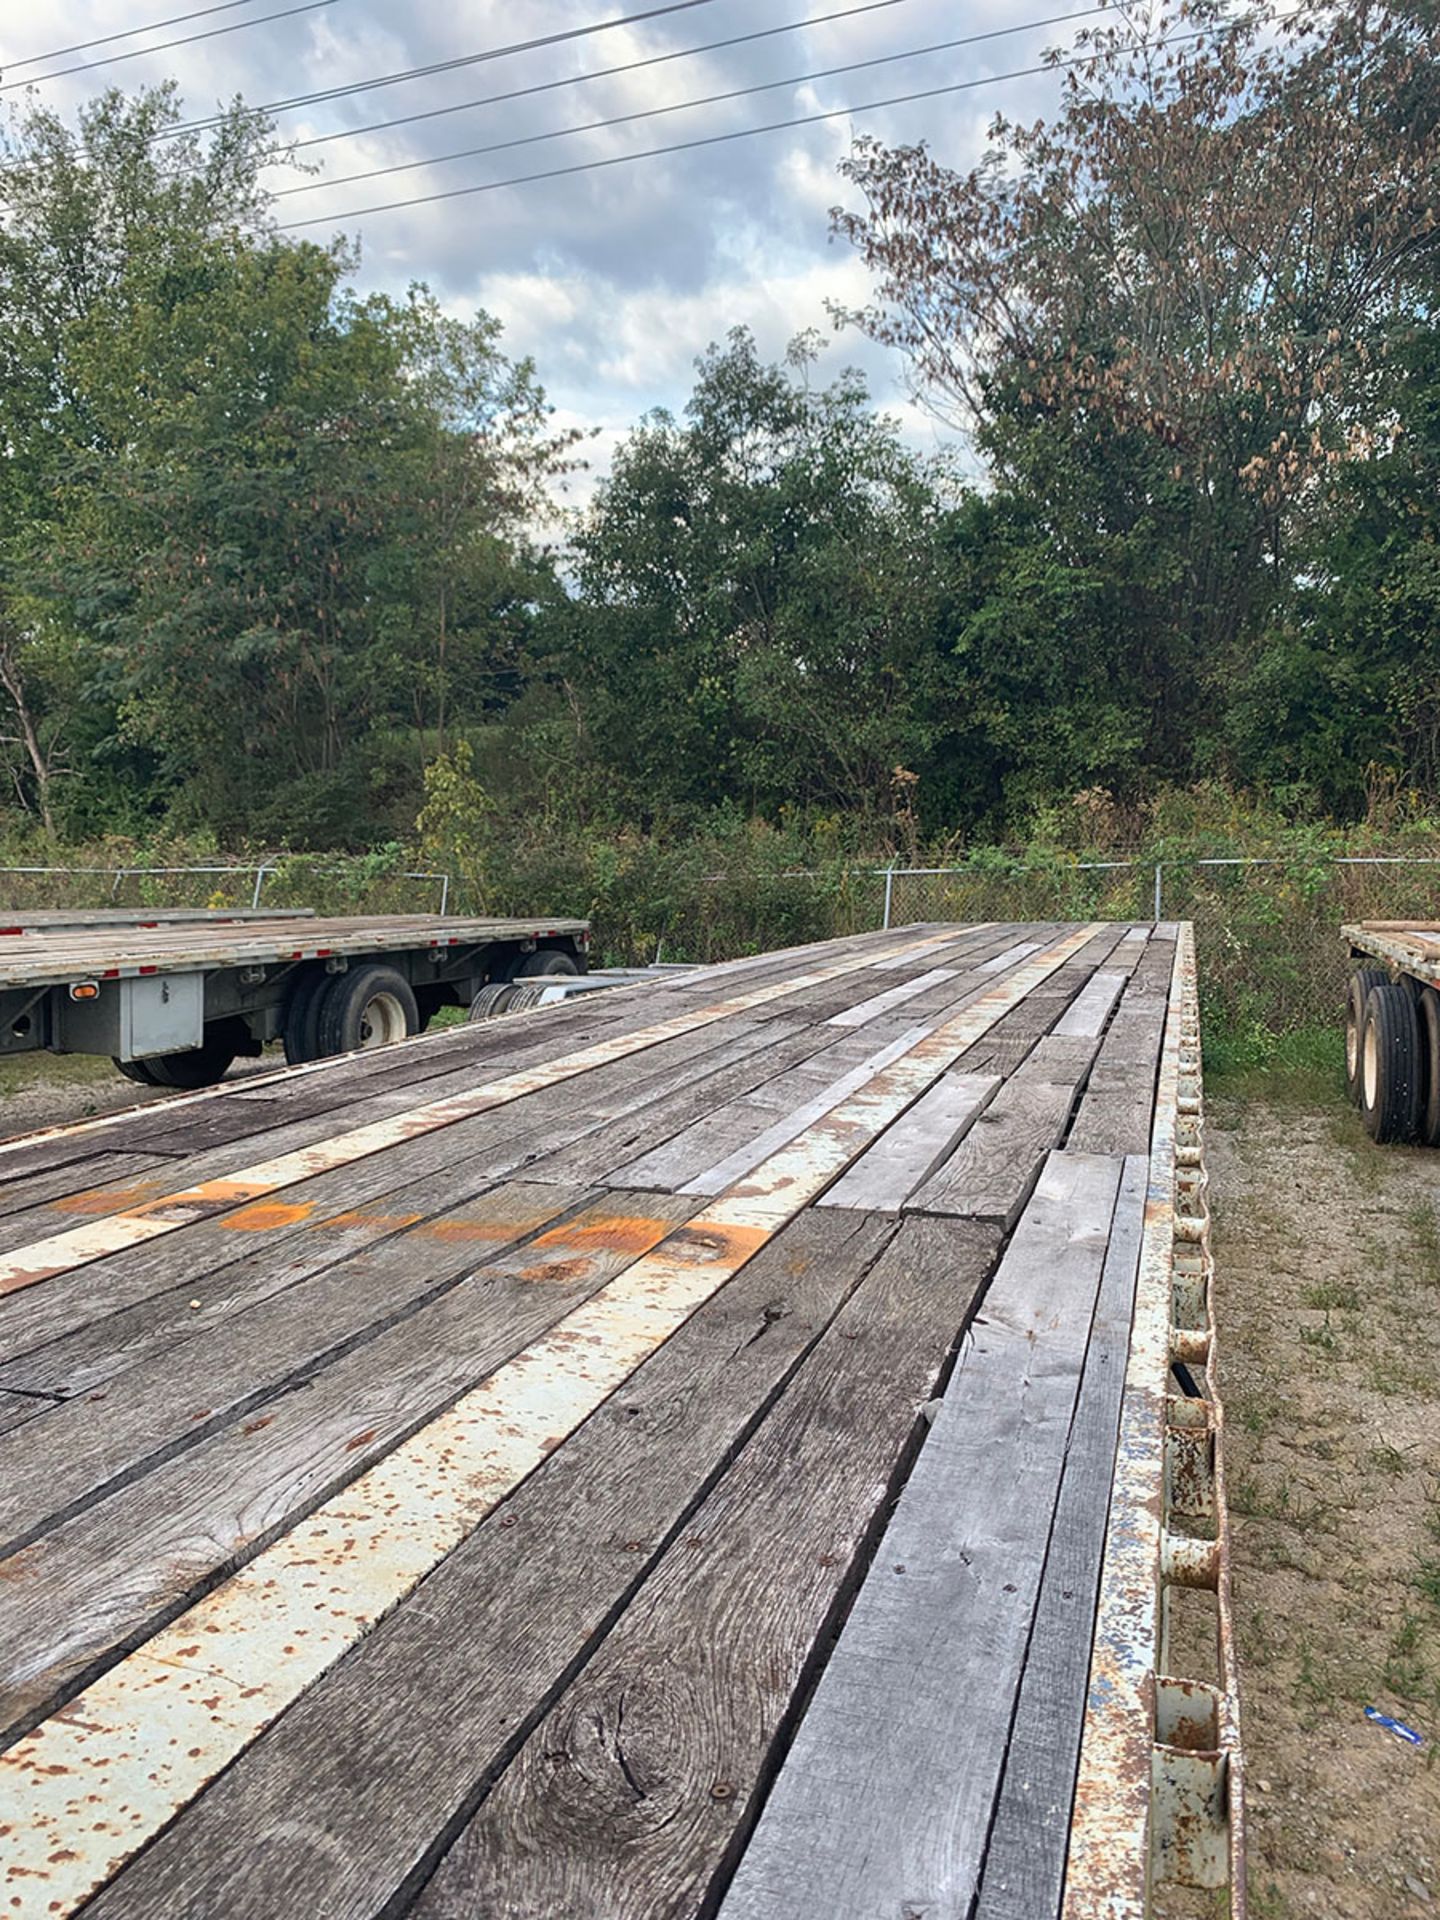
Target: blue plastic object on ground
(1397,1727)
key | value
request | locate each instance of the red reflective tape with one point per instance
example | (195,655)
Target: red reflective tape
(152,968)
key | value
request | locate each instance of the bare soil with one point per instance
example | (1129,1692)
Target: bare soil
(1328,1277)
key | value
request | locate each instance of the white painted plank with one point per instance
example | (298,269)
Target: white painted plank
(1011,957)
(871,1009)
(905,1155)
(1085,1017)
(791,1125)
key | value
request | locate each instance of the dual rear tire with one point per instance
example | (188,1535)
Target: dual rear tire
(1392,1056)
(330,1013)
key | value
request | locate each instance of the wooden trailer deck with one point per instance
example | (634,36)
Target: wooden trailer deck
(710,1448)
(102,946)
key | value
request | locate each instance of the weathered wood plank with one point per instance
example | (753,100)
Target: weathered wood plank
(504,1618)
(884,1803)
(627,1797)
(1116,1110)
(175,1398)
(17,1408)
(348,1205)
(714,1147)
(1024,1869)
(59,1183)
(990,1174)
(118,1570)
(905,1155)
(1087,1013)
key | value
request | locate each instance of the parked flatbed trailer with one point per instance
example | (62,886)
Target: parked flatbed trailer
(734,1445)
(173,999)
(1392,1028)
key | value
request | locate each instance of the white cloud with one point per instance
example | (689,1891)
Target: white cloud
(613,280)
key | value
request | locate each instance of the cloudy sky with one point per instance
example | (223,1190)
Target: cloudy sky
(614,279)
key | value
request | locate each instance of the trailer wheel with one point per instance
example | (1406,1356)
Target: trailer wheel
(1357,992)
(198,1066)
(1430,1058)
(545,960)
(300,1035)
(1390,1064)
(371,1007)
(138,1071)
(490,1001)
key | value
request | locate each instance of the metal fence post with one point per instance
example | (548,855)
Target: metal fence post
(889,897)
(1159,903)
(444,892)
(260,873)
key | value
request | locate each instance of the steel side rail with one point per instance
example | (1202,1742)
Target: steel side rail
(1160,1792)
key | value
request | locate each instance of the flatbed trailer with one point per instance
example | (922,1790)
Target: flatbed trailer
(173,997)
(744,1444)
(1392,1028)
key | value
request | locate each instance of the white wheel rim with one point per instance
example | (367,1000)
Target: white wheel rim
(1372,1064)
(1352,1049)
(382,1021)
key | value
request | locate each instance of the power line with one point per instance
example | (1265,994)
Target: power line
(186,40)
(680,106)
(601,73)
(125,33)
(634,66)
(450,66)
(720,139)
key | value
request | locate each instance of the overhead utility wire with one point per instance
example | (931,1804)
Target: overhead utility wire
(124,33)
(138,53)
(450,66)
(721,139)
(651,60)
(678,106)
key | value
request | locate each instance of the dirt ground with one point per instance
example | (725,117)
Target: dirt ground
(1328,1276)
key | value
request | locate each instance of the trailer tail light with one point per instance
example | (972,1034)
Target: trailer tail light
(85,990)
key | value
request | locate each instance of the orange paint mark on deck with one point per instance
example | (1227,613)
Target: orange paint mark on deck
(618,1233)
(456,1231)
(361,1217)
(98,1201)
(262,1216)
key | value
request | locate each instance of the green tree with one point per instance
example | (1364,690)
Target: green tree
(757,590)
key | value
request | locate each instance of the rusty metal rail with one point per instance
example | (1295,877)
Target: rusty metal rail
(1160,1791)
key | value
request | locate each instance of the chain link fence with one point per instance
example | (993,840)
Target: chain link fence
(1267,930)
(283,880)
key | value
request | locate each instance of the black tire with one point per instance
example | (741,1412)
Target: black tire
(1357,992)
(1430,1057)
(490,1002)
(198,1066)
(546,960)
(138,1071)
(300,1033)
(1391,1086)
(369,1007)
